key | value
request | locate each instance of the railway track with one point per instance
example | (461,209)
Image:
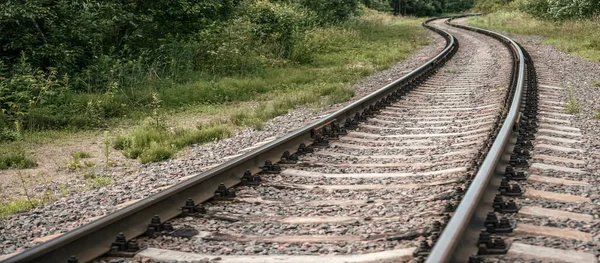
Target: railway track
(408,173)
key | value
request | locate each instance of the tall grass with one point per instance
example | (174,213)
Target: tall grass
(340,55)
(151,144)
(16,159)
(579,37)
(334,57)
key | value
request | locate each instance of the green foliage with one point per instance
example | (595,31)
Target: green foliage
(15,160)
(572,105)
(17,206)
(379,5)
(332,11)
(596,83)
(555,10)
(81,63)
(149,143)
(95,182)
(580,37)
(429,7)
(80,155)
(278,27)
(560,9)
(490,6)
(106,148)
(25,91)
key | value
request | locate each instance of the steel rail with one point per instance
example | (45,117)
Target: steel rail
(95,238)
(459,239)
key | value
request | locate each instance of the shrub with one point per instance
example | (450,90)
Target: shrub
(278,27)
(559,9)
(333,11)
(18,160)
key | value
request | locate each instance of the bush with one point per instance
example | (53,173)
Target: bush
(333,11)
(278,27)
(559,9)
(18,160)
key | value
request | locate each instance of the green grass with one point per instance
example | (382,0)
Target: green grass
(14,158)
(596,83)
(80,155)
(343,55)
(579,37)
(18,205)
(151,144)
(572,105)
(98,182)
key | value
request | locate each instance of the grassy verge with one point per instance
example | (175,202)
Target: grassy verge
(342,55)
(579,37)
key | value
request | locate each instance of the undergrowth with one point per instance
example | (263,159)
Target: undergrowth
(15,160)
(339,55)
(572,105)
(580,37)
(18,205)
(149,143)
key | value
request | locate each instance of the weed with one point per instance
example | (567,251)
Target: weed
(63,190)
(578,36)
(151,144)
(75,164)
(18,205)
(98,182)
(106,148)
(596,83)
(15,160)
(25,181)
(572,106)
(597,115)
(155,109)
(80,155)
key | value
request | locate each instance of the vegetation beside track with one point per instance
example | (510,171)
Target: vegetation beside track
(344,53)
(159,79)
(579,36)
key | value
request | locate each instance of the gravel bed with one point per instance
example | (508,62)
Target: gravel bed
(415,168)
(587,227)
(576,190)
(275,179)
(363,228)
(586,177)
(421,193)
(380,208)
(558,243)
(396,151)
(262,248)
(582,208)
(449,129)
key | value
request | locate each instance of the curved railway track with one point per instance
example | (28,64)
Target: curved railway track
(407,173)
